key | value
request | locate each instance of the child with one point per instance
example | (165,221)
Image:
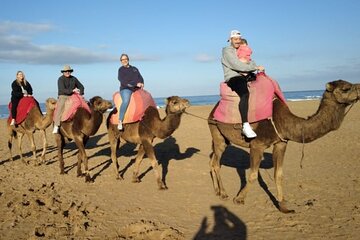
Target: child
(244,51)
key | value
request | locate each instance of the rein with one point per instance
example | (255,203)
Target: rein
(191,114)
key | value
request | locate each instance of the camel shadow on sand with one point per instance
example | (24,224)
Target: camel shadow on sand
(237,158)
(169,150)
(71,150)
(165,152)
(226,226)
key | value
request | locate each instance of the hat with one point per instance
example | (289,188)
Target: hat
(234,33)
(67,68)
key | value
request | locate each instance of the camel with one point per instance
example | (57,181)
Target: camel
(285,127)
(143,133)
(33,121)
(80,128)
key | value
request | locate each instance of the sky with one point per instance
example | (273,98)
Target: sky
(176,45)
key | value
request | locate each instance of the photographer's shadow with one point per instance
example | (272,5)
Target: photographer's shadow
(226,226)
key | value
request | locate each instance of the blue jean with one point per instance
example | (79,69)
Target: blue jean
(125,97)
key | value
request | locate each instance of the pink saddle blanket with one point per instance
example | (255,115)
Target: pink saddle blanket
(262,92)
(140,100)
(24,107)
(72,104)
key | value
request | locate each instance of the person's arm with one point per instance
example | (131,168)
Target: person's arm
(16,90)
(29,89)
(79,86)
(230,59)
(140,83)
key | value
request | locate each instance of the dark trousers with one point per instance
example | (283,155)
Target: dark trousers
(239,85)
(14,105)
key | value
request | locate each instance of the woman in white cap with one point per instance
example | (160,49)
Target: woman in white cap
(233,76)
(67,85)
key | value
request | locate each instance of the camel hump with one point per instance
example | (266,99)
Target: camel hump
(262,92)
(23,109)
(72,104)
(140,100)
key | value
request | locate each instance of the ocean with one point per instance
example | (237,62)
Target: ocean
(206,100)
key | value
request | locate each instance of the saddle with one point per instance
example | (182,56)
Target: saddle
(262,92)
(140,100)
(24,107)
(72,104)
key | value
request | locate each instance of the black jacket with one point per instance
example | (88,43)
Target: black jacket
(17,91)
(67,85)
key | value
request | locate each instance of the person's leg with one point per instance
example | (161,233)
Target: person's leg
(239,85)
(14,105)
(125,97)
(59,111)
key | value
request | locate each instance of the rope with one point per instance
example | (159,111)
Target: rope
(191,114)
(277,132)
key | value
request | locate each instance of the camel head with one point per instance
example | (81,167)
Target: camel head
(343,91)
(99,104)
(50,104)
(176,104)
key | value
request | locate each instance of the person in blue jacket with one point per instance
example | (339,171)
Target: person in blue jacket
(130,80)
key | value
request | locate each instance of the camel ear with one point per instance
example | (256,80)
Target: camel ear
(166,100)
(330,87)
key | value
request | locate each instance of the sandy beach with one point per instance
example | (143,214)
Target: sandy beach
(36,202)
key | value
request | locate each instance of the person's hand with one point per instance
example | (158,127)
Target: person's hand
(76,90)
(140,85)
(260,68)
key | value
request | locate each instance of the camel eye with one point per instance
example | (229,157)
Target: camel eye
(345,90)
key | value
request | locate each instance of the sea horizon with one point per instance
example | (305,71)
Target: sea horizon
(201,100)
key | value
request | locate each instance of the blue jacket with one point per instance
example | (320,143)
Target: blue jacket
(129,77)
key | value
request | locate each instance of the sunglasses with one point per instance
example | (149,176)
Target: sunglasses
(124,59)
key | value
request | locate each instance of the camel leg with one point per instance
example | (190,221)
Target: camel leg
(80,143)
(20,138)
(149,150)
(33,146)
(218,146)
(60,142)
(10,143)
(215,168)
(113,140)
(138,160)
(278,159)
(42,157)
(255,160)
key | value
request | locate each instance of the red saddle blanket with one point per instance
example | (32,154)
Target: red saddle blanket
(262,92)
(140,100)
(74,102)
(24,107)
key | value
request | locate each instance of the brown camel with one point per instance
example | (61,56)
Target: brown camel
(336,98)
(80,128)
(144,132)
(34,121)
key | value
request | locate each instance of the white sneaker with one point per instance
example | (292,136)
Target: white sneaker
(56,129)
(247,131)
(120,126)
(12,122)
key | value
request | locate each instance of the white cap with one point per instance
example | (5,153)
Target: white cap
(234,33)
